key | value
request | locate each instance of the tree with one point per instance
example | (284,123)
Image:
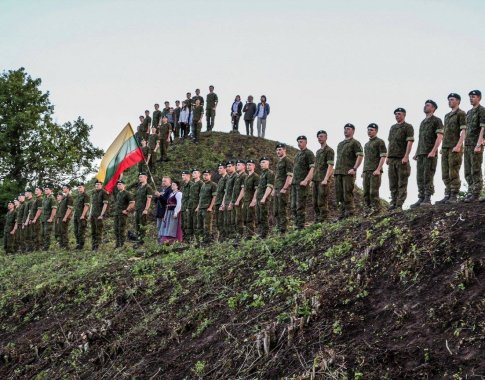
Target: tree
(34,148)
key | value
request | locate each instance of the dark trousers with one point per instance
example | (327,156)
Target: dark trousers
(298,204)
(64,234)
(249,127)
(96,231)
(235,122)
(140,224)
(249,219)
(262,217)
(473,169)
(280,210)
(320,200)
(197,130)
(120,229)
(80,231)
(46,235)
(210,115)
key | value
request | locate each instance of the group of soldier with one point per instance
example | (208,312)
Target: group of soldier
(241,200)
(182,121)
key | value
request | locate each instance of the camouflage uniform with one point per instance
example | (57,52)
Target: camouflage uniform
(229,220)
(36,227)
(143,193)
(304,161)
(19,234)
(455,122)
(197,121)
(99,198)
(221,188)
(164,136)
(80,225)
(157,116)
(123,200)
(475,120)
(185,210)
(153,139)
(192,227)
(8,239)
(238,210)
(426,168)
(210,112)
(142,165)
(57,224)
(374,150)
(347,153)
(284,168)
(325,156)
(48,204)
(399,136)
(66,203)
(250,185)
(27,231)
(266,180)
(204,217)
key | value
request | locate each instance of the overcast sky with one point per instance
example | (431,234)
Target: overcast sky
(321,63)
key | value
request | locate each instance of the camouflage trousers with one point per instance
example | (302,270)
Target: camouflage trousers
(344,191)
(36,235)
(140,224)
(184,221)
(425,172)
(191,223)
(398,180)
(80,231)
(46,235)
(204,223)
(371,185)
(163,150)
(229,222)
(262,217)
(219,221)
(239,219)
(298,204)
(210,115)
(64,234)
(197,130)
(280,210)
(473,169)
(120,229)
(57,229)
(450,169)
(8,242)
(320,200)
(96,231)
(249,219)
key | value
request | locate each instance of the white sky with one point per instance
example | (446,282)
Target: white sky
(320,63)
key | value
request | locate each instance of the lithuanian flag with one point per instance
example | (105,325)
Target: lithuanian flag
(122,154)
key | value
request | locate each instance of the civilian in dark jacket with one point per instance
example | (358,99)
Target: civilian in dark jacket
(236,112)
(161,197)
(249,111)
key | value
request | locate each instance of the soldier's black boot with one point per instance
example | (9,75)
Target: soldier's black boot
(471,198)
(426,201)
(444,200)
(418,203)
(453,198)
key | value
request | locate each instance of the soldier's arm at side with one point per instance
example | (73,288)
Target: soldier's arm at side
(131,206)
(38,214)
(147,204)
(328,175)
(437,143)
(53,213)
(103,210)
(240,196)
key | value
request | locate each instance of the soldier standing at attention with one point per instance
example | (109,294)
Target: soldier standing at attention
(401,139)
(475,124)
(207,200)
(27,231)
(197,96)
(35,214)
(349,158)
(49,210)
(81,209)
(16,243)
(221,188)
(375,154)
(324,161)
(248,190)
(283,179)
(198,112)
(153,147)
(165,130)
(147,122)
(262,197)
(452,149)
(302,176)
(65,212)
(19,238)
(58,218)
(186,183)
(142,165)
(210,108)
(157,116)
(139,131)
(237,195)
(228,214)
(176,114)
(192,227)
(99,205)
(143,200)
(8,229)
(430,137)
(123,205)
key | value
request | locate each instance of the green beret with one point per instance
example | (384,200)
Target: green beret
(400,109)
(432,102)
(475,92)
(349,125)
(373,125)
(454,95)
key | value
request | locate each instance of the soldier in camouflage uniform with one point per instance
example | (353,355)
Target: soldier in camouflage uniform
(262,197)
(349,157)
(197,96)
(475,124)
(302,175)
(452,149)
(124,203)
(143,200)
(19,242)
(35,214)
(229,220)
(58,218)
(186,183)
(210,108)
(324,161)
(237,195)
(81,208)
(430,137)
(283,179)
(221,188)
(99,206)
(153,147)
(176,114)
(197,112)
(157,116)
(249,189)
(192,226)
(49,210)
(147,122)
(26,227)
(142,165)
(207,200)
(400,143)
(165,130)
(16,243)
(375,153)
(140,135)
(64,211)
(8,229)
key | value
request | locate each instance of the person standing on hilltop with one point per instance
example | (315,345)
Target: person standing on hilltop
(249,112)
(375,153)
(349,157)
(165,130)
(157,116)
(198,113)
(205,207)
(452,149)
(430,137)
(236,112)
(249,188)
(210,108)
(262,112)
(176,115)
(143,201)
(197,96)
(283,178)
(322,176)
(400,143)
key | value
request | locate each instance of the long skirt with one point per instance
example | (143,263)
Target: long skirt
(171,228)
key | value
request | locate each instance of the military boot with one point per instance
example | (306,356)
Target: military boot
(453,198)
(426,201)
(444,200)
(471,198)
(418,203)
